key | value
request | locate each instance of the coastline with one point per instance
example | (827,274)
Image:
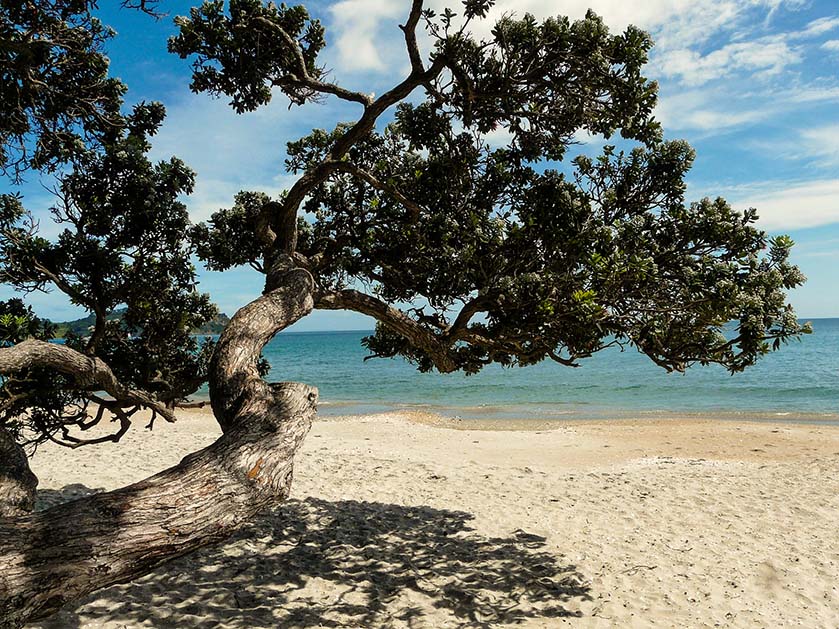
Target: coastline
(519,423)
(396,521)
(504,416)
(797,384)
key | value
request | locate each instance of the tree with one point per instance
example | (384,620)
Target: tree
(464,252)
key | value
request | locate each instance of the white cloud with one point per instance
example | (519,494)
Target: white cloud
(233,152)
(356,22)
(814,93)
(686,21)
(768,56)
(211,195)
(821,26)
(796,206)
(699,110)
(715,120)
(814,147)
(501,136)
(819,248)
(832,45)
(369,40)
(366,28)
(822,143)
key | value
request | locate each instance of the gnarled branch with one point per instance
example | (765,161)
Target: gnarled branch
(360,173)
(88,371)
(306,183)
(410,30)
(63,553)
(17,482)
(421,337)
(302,78)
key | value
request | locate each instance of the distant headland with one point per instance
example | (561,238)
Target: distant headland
(82,326)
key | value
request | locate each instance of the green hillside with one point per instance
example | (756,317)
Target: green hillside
(82,326)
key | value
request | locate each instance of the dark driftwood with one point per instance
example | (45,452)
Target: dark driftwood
(61,554)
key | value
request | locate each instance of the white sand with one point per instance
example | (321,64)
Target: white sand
(400,523)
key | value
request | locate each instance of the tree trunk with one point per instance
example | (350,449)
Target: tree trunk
(53,557)
(17,482)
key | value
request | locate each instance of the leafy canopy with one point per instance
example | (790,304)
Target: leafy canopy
(453,210)
(122,246)
(510,253)
(55,93)
(123,225)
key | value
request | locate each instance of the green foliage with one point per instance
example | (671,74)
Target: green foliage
(171,370)
(18,323)
(55,93)
(123,243)
(469,252)
(553,259)
(545,81)
(29,400)
(240,53)
(228,239)
(123,246)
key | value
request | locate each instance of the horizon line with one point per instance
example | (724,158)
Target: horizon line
(288,331)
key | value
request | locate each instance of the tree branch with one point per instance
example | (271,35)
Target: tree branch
(364,125)
(234,371)
(437,346)
(61,554)
(17,482)
(398,321)
(302,77)
(90,302)
(264,231)
(34,277)
(410,30)
(88,371)
(149,7)
(371,179)
(65,552)
(469,310)
(69,441)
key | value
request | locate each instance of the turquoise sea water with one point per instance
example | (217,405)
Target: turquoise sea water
(799,382)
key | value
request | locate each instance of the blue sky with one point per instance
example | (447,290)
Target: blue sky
(753,85)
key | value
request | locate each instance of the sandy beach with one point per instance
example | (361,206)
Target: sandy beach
(411,521)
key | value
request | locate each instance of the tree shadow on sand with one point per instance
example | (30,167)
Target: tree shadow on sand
(315,563)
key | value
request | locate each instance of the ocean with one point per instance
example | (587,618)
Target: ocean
(800,382)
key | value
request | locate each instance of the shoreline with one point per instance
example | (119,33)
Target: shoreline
(454,417)
(519,424)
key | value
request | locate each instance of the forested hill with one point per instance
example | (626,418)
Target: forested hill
(82,326)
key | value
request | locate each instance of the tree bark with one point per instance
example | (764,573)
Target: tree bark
(88,371)
(56,556)
(17,482)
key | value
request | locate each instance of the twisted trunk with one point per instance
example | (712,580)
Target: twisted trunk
(17,482)
(59,555)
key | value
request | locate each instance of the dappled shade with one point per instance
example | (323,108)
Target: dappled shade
(315,563)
